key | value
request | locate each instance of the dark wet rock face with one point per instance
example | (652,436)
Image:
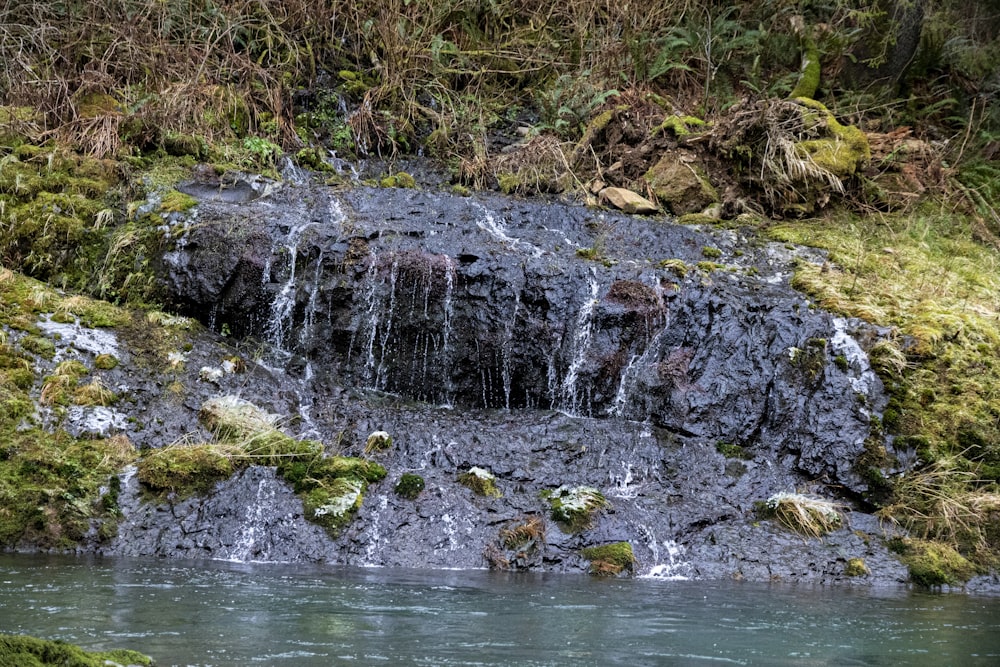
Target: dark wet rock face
(570,347)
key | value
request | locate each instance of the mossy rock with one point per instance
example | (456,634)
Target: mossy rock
(398,180)
(681,184)
(177,202)
(409,486)
(932,563)
(179,145)
(575,507)
(39,345)
(855,567)
(679,126)
(610,560)
(50,484)
(185,470)
(105,362)
(25,651)
(333,503)
(482,482)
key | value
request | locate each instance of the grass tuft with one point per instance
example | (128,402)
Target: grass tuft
(809,516)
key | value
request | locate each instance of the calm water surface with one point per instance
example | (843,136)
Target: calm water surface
(229,614)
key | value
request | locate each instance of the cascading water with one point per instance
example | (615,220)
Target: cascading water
(247,546)
(279,323)
(557,370)
(569,399)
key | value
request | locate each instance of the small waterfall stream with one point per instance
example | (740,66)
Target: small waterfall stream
(569,399)
(478,337)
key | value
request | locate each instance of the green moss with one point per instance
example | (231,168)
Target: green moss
(332,503)
(678,125)
(711,252)
(177,202)
(398,180)
(678,266)
(348,466)
(331,488)
(43,347)
(50,485)
(731,451)
(313,158)
(409,486)
(183,470)
(844,152)
(105,362)
(508,182)
(576,506)
(855,567)
(809,75)
(610,559)
(932,563)
(481,482)
(24,651)
(53,213)
(697,219)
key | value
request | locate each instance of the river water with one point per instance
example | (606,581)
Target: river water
(236,614)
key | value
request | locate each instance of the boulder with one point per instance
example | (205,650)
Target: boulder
(681,184)
(628,201)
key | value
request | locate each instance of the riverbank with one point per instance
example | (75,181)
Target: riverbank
(115,191)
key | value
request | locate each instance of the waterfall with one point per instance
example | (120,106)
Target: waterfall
(281,319)
(279,324)
(446,352)
(375,542)
(630,375)
(569,400)
(251,529)
(672,566)
(508,338)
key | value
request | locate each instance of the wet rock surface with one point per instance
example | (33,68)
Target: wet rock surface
(551,345)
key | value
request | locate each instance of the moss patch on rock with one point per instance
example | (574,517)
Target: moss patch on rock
(409,486)
(53,213)
(24,651)
(610,560)
(180,471)
(681,184)
(482,482)
(932,563)
(50,485)
(575,507)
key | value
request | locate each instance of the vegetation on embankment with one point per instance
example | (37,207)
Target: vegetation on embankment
(54,489)
(99,116)
(331,487)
